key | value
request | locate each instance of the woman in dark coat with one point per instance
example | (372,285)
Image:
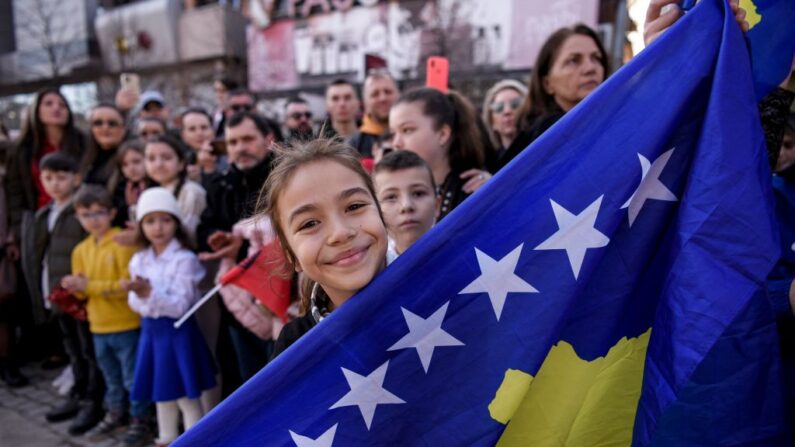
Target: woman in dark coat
(48,127)
(571,64)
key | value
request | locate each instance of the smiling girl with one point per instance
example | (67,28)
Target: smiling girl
(323,208)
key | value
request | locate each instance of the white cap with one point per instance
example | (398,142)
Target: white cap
(151,96)
(157,199)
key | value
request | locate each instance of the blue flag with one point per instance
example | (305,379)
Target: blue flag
(771,38)
(603,289)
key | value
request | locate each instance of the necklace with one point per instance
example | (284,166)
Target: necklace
(445,191)
(318,313)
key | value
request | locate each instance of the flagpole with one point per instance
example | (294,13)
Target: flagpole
(198,304)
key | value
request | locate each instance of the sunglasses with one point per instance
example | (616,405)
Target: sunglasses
(109,123)
(241,108)
(299,115)
(498,107)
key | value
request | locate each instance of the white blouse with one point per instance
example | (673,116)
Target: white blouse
(174,276)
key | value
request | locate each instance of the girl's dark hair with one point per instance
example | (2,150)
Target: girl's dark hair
(91,153)
(32,135)
(289,159)
(466,150)
(180,234)
(198,111)
(401,160)
(136,145)
(539,102)
(181,151)
(59,162)
(89,195)
(153,119)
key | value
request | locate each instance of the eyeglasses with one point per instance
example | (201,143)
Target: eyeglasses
(241,108)
(498,107)
(92,216)
(299,115)
(109,123)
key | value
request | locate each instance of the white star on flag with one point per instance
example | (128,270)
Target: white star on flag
(650,185)
(425,335)
(576,233)
(325,440)
(498,279)
(367,393)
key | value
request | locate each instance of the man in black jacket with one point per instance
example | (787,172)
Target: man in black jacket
(232,196)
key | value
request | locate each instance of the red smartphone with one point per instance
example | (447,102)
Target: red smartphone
(437,73)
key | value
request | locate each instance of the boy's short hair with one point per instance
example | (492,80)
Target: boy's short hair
(59,162)
(93,195)
(400,160)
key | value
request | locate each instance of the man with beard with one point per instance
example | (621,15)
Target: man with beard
(380,92)
(298,120)
(231,197)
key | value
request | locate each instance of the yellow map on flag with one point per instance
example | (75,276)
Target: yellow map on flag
(571,401)
(751,14)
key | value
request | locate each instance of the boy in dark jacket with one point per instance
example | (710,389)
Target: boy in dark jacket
(47,257)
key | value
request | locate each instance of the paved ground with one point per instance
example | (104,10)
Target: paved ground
(22,422)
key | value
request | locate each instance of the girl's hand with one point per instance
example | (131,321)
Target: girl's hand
(739,15)
(132,191)
(658,22)
(477,178)
(140,286)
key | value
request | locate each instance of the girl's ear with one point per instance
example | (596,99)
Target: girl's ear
(444,135)
(547,86)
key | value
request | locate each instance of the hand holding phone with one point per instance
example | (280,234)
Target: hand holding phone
(131,82)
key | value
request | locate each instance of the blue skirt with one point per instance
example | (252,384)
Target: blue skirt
(172,363)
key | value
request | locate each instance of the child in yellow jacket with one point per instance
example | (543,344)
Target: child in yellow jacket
(98,265)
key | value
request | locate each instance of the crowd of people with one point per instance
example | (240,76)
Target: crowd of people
(117,232)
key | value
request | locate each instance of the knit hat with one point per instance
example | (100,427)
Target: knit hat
(157,199)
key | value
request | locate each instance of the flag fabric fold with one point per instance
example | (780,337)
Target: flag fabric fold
(596,291)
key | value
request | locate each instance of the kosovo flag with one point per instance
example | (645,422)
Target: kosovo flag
(771,37)
(603,289)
